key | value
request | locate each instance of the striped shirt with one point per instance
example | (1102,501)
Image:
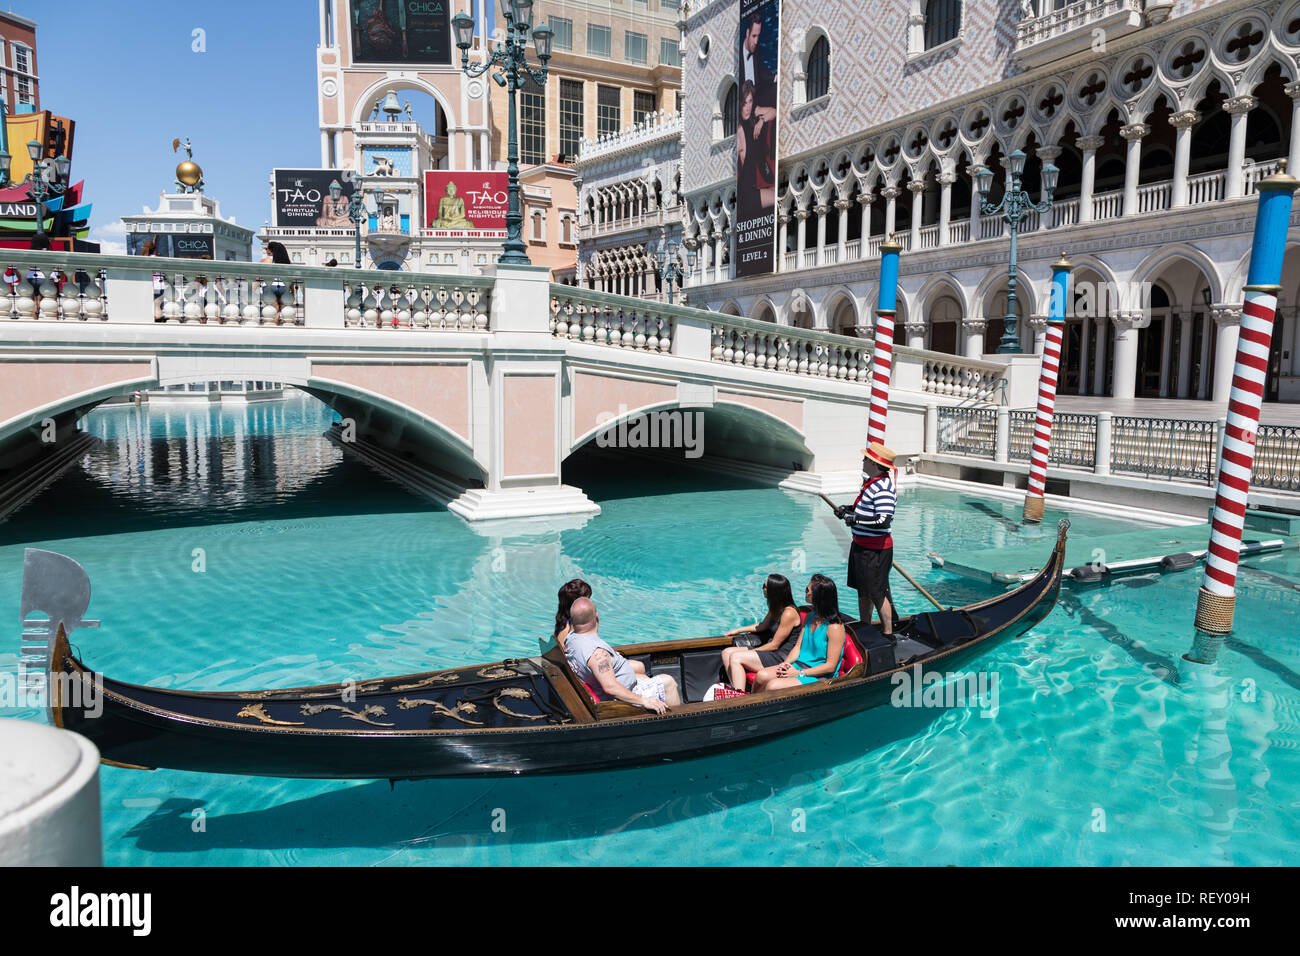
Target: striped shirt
(873,512)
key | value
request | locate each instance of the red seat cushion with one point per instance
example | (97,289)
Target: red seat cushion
(852,656)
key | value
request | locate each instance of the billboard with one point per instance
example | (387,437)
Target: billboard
(401,31)
(757,55)
(465,199)
(172,245)
(42,127)
(313,198)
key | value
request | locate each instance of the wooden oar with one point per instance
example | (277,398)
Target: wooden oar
(911,580)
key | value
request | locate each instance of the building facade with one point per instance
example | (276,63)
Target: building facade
(1161,115)
(19,81)
(630,206)
(613,60)
(189,225)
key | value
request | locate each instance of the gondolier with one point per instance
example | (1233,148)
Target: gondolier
(870,518)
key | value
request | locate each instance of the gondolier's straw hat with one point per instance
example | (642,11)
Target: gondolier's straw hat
(879,454)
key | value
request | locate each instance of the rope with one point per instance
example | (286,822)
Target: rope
(1214,612)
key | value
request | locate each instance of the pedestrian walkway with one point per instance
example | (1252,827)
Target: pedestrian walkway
(1273,413)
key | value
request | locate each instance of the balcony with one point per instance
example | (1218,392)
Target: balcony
(1071,28)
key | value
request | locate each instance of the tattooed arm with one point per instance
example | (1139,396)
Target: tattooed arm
(602,665)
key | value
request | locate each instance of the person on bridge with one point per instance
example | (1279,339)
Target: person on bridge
(870,518)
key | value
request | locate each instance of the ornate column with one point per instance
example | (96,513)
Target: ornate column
(1238,107)
(783,222)
(1166,346)
(1293,155)
(821,209)
(1085,327)
(917,188)
(1039,324)
(1203,380)
(945,205)
(1099,358)
(1047,154)
(891,193)
(866,197)
(1185,356)
(1182,122)
(1089,145)
(915,335)
(842,233)
(1133,134)
(801,235)
(719,236)
(1124,384)
(975,211)
(1227,321)
(973,329)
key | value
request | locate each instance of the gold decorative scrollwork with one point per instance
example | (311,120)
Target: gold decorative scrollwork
(464,707)
(258,712)
(517,693)
(496,672)
(429,682)
(364,714)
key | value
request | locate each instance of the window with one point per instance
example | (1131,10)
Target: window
(532,124)
(609,116)
(566,230)
(22,59)
(670,52)
(942,21)
(539,226)
(570,117)
(818,82)
(730,112)
(597,40)
(634,47)
(562,27)
(679,101)
(643,104)
(670,4)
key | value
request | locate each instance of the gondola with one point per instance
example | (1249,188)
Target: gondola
(528,715)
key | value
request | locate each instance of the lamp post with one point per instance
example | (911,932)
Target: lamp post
(510,59)
(49,177)
(361,205)
(1016,204)
(670,269)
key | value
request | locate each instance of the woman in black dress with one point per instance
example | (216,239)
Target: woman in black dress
(780,627)
(755,138)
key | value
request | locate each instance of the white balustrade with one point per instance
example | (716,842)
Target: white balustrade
(1108,205)
(1206,187)
(1069,18)
(795,351)
(661,125)
(929,237)
(830,255)
(1252,173)
(873,246)
(596,318)
(853,250)
(1155,197)
(955,377)
(434,302)
(959,231)
(52,294)
(790,262)
(1065,213)
(992,227)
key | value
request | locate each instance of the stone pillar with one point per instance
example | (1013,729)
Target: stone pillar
(783,234)
(801,235)
(974,332)
(718,236)
(1203,381)
(731,248)
(865,199)
(1124,385)
(915,335)
(1228,322)
(1089,145)
(945,205)
(1101,462)
(1133,134)
(842,234)
(1293,155)
(1238,107)
(975,211)
(1166,346)
(891,194)
(1039,324)
(821,209)
(1185,356)
(1047,154)
(917,187)
(1084,341)
(1182,122)
(1099,358)
(1002,439)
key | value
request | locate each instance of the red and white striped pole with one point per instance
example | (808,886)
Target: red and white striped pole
(1047,379)
(1216,601)
(882,355)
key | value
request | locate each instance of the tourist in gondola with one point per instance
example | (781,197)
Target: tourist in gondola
(870,517)
(780,627)
(609,674)
(570,592)
(821,644)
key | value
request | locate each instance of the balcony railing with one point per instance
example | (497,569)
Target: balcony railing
(1072,28)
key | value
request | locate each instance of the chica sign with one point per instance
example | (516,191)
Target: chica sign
(466,200)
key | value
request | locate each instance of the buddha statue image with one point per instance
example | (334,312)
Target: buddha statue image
(334,211)
(451,211)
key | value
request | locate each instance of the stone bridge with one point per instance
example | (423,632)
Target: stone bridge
(471,389)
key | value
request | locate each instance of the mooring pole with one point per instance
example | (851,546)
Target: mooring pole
(882,356)
(1216,601)
(1047,390)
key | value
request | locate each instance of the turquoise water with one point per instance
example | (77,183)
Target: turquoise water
(236,549)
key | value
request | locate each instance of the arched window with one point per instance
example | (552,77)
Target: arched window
(819,70)
(942,21)
(730,112)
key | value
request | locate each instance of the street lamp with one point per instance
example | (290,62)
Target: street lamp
(361,205)
(1016,204)
(670,269)
(47,178)
(511,60)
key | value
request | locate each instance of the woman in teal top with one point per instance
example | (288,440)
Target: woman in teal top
(821,645)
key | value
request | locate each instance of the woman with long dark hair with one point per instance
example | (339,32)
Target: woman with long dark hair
(780,626)
(821,645)
(755,139)
(570,592)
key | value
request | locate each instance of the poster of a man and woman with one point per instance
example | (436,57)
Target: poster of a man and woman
(756,135)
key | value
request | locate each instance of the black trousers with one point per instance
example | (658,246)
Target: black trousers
(869,576)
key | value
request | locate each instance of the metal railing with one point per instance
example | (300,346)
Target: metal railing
(1074,439)
(968,431)
(1277,458)
(1164,447)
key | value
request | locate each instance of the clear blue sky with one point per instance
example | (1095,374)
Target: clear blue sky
(127,72)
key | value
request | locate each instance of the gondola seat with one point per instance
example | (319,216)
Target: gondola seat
(849,659)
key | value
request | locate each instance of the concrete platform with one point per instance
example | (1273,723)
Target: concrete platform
(49,797)
(1095,559)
